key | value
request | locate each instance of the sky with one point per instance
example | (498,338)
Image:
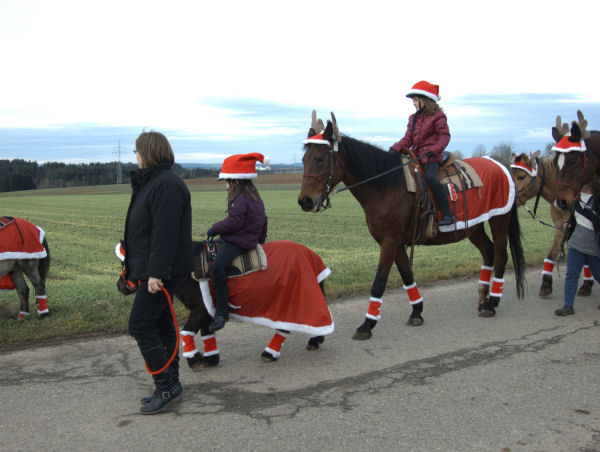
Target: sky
(80,80)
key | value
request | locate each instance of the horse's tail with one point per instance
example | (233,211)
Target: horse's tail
(44,265)
(516,250)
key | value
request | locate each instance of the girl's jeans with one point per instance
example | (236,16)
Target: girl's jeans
(575,262)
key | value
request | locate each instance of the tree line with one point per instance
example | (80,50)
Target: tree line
(20,174)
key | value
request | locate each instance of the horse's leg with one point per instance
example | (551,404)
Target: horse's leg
(18,280)
(386,257)
(39,285)
(499,227)
(314,342)
(482,242)
(558,218)
(273,350)
(410,286)
(588,281)
(198,320)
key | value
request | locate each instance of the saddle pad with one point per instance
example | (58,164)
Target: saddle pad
(285,296)
(251,261)
(461,174)
(20,239)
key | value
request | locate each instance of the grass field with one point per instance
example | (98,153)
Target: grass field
(83,224)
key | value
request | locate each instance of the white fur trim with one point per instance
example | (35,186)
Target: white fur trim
(323,275)
(237,176)
(207,297)
(421,92)
(316,141)
(211,353)
(272,352)
(191,354)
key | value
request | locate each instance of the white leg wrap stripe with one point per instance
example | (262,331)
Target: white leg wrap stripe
(187,333)
(272,352)
(209,336)
(373,317)
(378,300)
(45,311)
(409,287)
(485,283)
(416,301)
(190,354)
(213,352)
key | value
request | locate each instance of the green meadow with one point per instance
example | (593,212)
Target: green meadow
(83,225)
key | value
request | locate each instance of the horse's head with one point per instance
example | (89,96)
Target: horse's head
(321,165)
(572,160)
(523,170)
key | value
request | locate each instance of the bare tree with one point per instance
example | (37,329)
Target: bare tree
(548,152)
(479,151)
(459,155)
(502,153)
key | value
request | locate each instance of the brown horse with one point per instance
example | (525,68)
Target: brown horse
(391,211)
(16,263)
(535,177)
(258,297)
(577,167)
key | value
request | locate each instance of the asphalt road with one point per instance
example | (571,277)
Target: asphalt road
(524,380)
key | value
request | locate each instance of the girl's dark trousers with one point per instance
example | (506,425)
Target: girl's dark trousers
(431,175)
(226,254)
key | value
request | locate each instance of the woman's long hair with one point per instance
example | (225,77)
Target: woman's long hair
(243,186)
(428,106)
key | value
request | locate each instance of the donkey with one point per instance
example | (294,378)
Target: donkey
(17,263)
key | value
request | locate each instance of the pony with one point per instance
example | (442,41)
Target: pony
(24,252)
(393,215)
(287,296)
(577,159)
(535,177)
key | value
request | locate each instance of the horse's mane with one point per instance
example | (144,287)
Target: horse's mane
(366,160)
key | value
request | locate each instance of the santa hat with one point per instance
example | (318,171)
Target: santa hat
(242,166)
(426,89)
(317,139)
(522,166)
(566,145)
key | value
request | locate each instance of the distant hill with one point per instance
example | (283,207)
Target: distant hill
(273,168)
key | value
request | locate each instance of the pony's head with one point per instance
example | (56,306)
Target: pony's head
(524,169)
(320,164)
(572,160)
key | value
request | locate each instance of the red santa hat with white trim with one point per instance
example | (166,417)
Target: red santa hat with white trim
(566,145)
(242,166)
(425,89)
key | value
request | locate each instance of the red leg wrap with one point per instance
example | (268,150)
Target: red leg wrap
(188,343)
(486,275)
(414,296)
(497,287)
(210,345)
(548,267)
(374,311)
(274,346)
(587,273)
(42,304)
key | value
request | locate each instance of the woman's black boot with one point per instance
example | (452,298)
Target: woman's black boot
(167,387)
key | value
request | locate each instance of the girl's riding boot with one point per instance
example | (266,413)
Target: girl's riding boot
(222,309)
(167,387)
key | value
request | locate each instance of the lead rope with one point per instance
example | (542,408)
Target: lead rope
(156,372)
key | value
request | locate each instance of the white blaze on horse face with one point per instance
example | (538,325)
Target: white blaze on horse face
(561,161)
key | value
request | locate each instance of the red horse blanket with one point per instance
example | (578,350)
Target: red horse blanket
(19,239)
(495,197)
(285,296)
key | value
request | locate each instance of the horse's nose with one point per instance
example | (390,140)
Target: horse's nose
(562,204)
(306,203)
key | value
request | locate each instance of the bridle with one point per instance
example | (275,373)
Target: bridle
(531,183)
(334,162)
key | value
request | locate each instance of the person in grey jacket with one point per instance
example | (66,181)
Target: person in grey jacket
(158,255)
(244,227)
(583,234)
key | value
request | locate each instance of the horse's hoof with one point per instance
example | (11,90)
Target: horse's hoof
(545,291)
(45,315)
(267,357)
(584,291)
(487,313)
(415,321)
(313,343)
(362,335)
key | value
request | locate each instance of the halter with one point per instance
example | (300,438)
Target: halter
(539,193)
(333,161)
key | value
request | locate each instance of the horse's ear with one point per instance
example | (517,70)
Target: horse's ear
(514,157)
(328,134)
(575,133)
(535,155)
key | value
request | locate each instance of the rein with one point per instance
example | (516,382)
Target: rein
(333,159)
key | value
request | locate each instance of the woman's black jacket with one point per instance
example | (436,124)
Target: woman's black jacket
(158,228)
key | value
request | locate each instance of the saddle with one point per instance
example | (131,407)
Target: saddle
(204,254)
(454,175)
